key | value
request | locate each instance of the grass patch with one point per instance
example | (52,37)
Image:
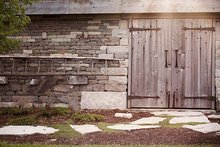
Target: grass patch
(26,120)
(65,131)
(50,112)
(39,145)
(15,111)
(86,118)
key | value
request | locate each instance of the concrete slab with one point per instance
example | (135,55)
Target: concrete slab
(204,128)
(129,127)
(176,113)
(123,115)
(103,100)
(26,130)
(214,116)
(148,120)
(85,129)
(187,119)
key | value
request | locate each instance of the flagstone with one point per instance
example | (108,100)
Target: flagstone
(123,115)
(204,128)
(148,120)
(187,119)
(176,113)
(129,127)
(214,116)
(26,130)
(85,129)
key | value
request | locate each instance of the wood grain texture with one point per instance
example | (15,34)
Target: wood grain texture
(44,7)
(173,64)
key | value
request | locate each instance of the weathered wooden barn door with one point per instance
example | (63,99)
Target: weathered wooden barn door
(150,57)
(192,63)
(171,63)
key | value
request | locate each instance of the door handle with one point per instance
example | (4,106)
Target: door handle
(174,99)
(166,60)
(176,61)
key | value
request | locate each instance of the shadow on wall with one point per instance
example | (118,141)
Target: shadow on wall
(42,85)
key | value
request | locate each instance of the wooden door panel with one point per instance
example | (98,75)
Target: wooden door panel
(171,67)
(196,90)
(148,73)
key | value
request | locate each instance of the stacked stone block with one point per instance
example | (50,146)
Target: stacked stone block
(101,37)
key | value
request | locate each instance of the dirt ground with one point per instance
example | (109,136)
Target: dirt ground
(162,135)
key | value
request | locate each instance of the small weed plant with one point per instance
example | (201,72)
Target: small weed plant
(84,118)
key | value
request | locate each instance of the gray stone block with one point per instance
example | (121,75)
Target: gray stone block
(62,88)
(77,80)
(114,71)
(103,100)
(115,87)
(3,80)
(118,79)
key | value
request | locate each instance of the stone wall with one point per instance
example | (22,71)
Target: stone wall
(102,40)
(217,73)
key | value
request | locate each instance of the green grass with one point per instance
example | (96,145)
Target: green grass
(15,111)
(65,131)
(24,120)
(39,145)
(86,118)
(49,112)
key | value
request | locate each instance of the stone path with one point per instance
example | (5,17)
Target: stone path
(129,127)
(143,123)
(204,128)
(124,115)
(188,119)
(214,116)
(148,120)
(85,129)
(26,130)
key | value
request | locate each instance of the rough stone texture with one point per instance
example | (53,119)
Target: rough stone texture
(77,80)
(118,79)
(129,127)
(62,88)
(3,80)
(114,71)
(204,128)
(149,120)
(214,116)
(26,130)
(199,119)
(117,49)
(103,100)
(123,115)
(89,40)
(85,129)
(115,87)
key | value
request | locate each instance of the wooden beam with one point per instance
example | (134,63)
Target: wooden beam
(45,7)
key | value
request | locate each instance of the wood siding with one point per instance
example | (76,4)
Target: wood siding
(171,63)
